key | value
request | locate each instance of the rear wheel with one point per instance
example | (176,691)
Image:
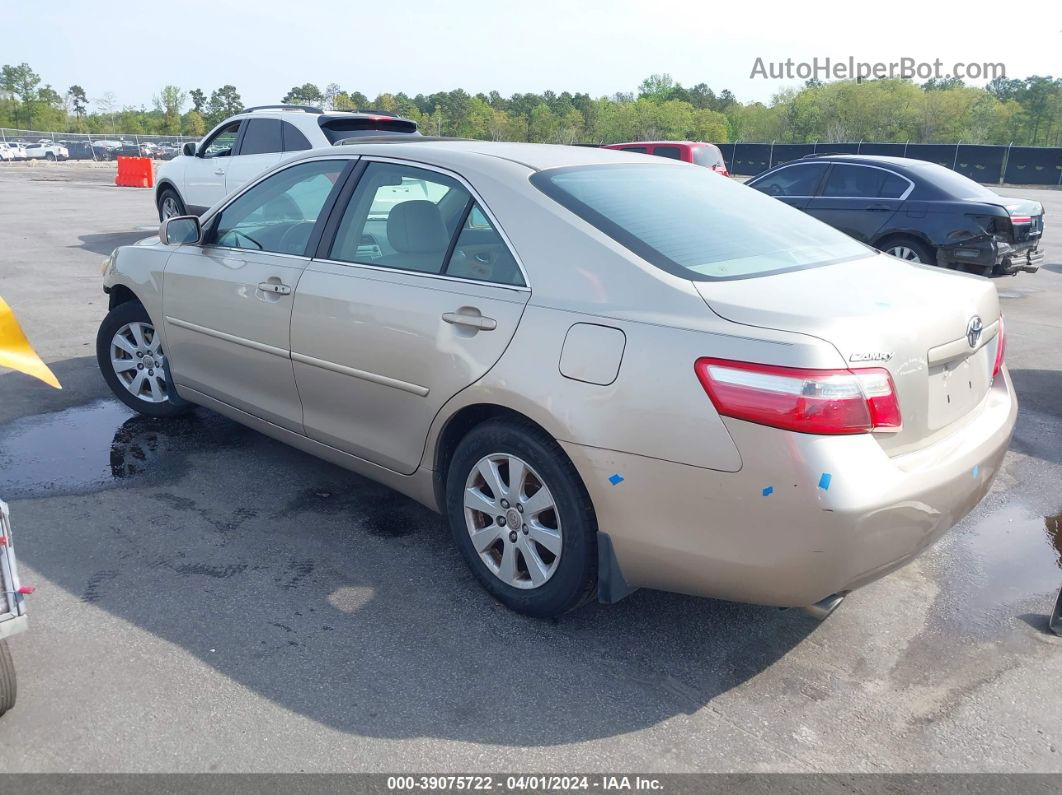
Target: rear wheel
(522,519)
(130,356)
(908,249)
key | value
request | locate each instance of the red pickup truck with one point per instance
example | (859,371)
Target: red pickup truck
(696,152)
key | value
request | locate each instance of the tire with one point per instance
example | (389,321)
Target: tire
(8,683)
(50,156)
(566,579)
(908,249)
(144,385)
(170,204)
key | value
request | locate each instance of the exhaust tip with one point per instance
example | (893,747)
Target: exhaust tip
(822,609)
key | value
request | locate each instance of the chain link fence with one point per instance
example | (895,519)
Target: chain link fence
(100,146)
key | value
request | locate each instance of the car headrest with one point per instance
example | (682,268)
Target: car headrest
(416,227)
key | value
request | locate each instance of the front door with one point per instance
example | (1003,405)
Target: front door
(417,297)
(204,176)
(227,302)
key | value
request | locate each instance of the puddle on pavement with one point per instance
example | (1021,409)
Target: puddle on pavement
(1011,560)
(99,445)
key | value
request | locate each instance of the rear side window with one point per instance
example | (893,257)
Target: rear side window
(294,141)
(893,186)
(799,180)
(262,136)
(690,223)
(672,152)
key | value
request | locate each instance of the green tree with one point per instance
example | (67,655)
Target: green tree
(22,82)
(306,94)
(171,101)
(78,103)
(199,99)
(194,123)
(224,102)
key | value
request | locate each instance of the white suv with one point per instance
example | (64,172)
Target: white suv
(256,139)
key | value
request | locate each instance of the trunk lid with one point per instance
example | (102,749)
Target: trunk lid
(882,312)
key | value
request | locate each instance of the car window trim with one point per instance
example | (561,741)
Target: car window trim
(325,245)
(818,185)
(210,219)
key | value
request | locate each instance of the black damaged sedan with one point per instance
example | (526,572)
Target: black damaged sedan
(918,211)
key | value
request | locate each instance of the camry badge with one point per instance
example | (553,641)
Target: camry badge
(973,330)
(871,356)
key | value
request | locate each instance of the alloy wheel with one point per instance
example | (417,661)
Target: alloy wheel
(139,362)
(513,521)
(905,253)
(170,208)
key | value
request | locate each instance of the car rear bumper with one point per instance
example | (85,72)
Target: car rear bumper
(806,517)
(1010,258)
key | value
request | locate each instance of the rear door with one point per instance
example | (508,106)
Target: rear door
(260,148)
(414,296)
(859,200)
(793,184)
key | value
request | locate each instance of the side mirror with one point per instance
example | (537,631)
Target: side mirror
(190,148)
(179,230)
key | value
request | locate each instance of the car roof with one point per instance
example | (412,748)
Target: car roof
(663,143)
(535,157)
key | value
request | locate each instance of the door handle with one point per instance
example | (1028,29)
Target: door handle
(274,287)
(219,172)
(471,321)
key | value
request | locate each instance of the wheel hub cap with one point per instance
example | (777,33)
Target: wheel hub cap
(139,363)
(513,521)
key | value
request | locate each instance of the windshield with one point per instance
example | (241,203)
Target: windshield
(695,223)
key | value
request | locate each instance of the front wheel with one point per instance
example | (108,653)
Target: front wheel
(130,356)
(522,519)
(170,204)
(50,156)
(8,685)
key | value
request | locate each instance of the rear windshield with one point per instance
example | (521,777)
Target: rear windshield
(338,129)
(708,156)
(695,223)
(952,183)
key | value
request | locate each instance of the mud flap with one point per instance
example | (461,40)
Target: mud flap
(611,587)
(1055,622)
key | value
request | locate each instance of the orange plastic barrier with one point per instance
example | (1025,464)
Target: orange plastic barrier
(135,172)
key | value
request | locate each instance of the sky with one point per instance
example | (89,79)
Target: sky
(264,47)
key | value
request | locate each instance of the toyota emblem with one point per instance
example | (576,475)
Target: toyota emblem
(973,330)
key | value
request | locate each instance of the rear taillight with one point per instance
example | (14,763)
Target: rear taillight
(806,401)
(1020,219)
(1001,349)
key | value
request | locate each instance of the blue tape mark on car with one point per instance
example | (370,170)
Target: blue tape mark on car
(824,481)
(767,492)
(615,480)
(976,469)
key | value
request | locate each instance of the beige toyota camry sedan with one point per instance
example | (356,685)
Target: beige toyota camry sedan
(608,373)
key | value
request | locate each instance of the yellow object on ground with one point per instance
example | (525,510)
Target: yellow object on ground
(16,351)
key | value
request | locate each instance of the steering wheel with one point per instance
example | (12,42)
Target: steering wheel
(295,237)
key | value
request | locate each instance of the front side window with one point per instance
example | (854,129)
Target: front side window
(799,180)
(278,214)
(261,137)
(419,220)
(642,150)
(690,223)
(223,141)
